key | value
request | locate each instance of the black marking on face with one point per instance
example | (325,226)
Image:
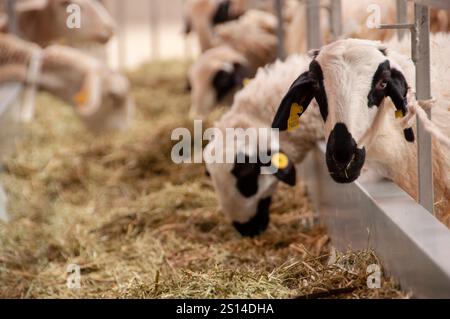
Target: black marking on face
(344,160)
(225,82)
(392,83)
(258,223)
(247,177)
(380,82)
(397,90)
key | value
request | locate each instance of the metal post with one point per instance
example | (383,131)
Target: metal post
(12,21)
(402,16)
(313,24)
(421,44)
(336,18)
(443,4)
(280,30)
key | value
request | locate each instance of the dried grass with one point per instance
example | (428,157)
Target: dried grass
(142,227)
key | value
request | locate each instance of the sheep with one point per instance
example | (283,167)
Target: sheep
(256,46)
(350,79)
(44,22)
(354,22)
(244,194)
(202,16)
(208,13)
(220,71)
(100,96)
(215,77)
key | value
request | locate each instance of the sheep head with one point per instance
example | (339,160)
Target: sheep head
(45,21)
(350,80)
(214,78)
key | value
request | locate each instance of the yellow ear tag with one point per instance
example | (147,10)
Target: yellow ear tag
(280,160)
(294,116)
(81,97)
(398,114)
(246,81)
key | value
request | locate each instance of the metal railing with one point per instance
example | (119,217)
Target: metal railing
(420,52)
(12,23)
(420,44)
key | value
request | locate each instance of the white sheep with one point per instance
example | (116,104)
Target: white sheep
(355,15)
(214,78)
(358,85)
(99,95)
(45,21)
(257,45)
(202,16)
(244,194)
(247,44)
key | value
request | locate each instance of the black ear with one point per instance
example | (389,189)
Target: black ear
(397,89)
(285,169)
(225,81)
(296,99)
(247,177)
(222,13)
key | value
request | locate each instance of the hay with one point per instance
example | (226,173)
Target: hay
(140,226)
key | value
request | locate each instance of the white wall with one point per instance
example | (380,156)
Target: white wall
(148,29)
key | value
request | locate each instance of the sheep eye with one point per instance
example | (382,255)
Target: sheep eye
(382,85)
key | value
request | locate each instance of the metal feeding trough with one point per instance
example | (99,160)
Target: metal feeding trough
(412,244)
(10,128)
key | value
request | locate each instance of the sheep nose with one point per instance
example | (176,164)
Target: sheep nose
(258,223)
(344,159)
(342,146)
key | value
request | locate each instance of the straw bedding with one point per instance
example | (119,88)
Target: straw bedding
(140,226)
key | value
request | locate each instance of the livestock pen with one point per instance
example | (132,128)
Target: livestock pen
(134,224)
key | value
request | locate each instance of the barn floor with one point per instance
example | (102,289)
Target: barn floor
(140,226)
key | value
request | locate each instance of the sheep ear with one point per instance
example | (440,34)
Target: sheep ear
(397,90)
(294,103)
(285,168)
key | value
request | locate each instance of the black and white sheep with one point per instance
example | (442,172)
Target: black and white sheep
(361,87)
(44,21)
(244,193)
